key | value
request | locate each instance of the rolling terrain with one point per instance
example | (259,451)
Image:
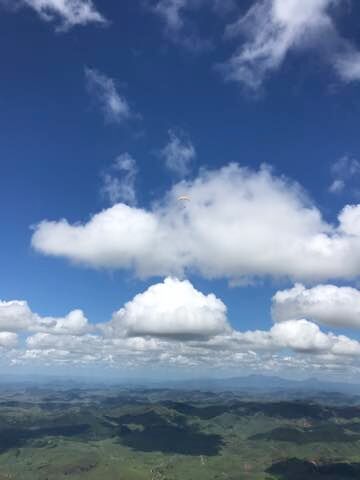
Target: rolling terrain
(80,432)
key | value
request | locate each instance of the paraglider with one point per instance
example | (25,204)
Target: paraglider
(184,198)
(183,201)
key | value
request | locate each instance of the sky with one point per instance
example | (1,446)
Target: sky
(179,188)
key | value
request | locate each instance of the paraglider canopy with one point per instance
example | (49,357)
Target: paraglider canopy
(184,198)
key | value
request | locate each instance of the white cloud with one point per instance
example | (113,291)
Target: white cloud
(239,224)
(75,323)
(103,90)
(349,219)
(345,346)
(294,341)
(325,304)
(296,335)
(275,28)
(300,336)
(179,153)
(125,233)
(68,13)
(344,170)
(82,343)
(16,316)
(173,309)
(8,339)
(119,183)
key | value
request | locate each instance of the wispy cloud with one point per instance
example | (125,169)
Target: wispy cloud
(178,153)
(171,12)
(67,13)
(343,171)
(274,28)
(103,91)
(348,65)
(174,12)
(178,28)
(119,181)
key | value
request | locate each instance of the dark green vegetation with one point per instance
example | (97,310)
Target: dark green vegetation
(294,469)
(301,436)
(157,434)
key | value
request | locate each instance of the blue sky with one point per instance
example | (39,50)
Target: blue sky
(167,66)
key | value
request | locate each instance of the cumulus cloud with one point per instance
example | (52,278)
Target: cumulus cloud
(75,323)
(173,309)
(178,153)
(274,28)
(119,181)
(324,304)
(301,336)
(16,316)
(344,170)
(103,91)
(239,224)
(67,13)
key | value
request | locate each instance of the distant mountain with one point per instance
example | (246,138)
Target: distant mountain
(252,384)
(262,383)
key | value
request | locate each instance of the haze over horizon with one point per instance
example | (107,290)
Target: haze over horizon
(179,194)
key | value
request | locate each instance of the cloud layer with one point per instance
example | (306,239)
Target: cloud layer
(239,224)
(171,324)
